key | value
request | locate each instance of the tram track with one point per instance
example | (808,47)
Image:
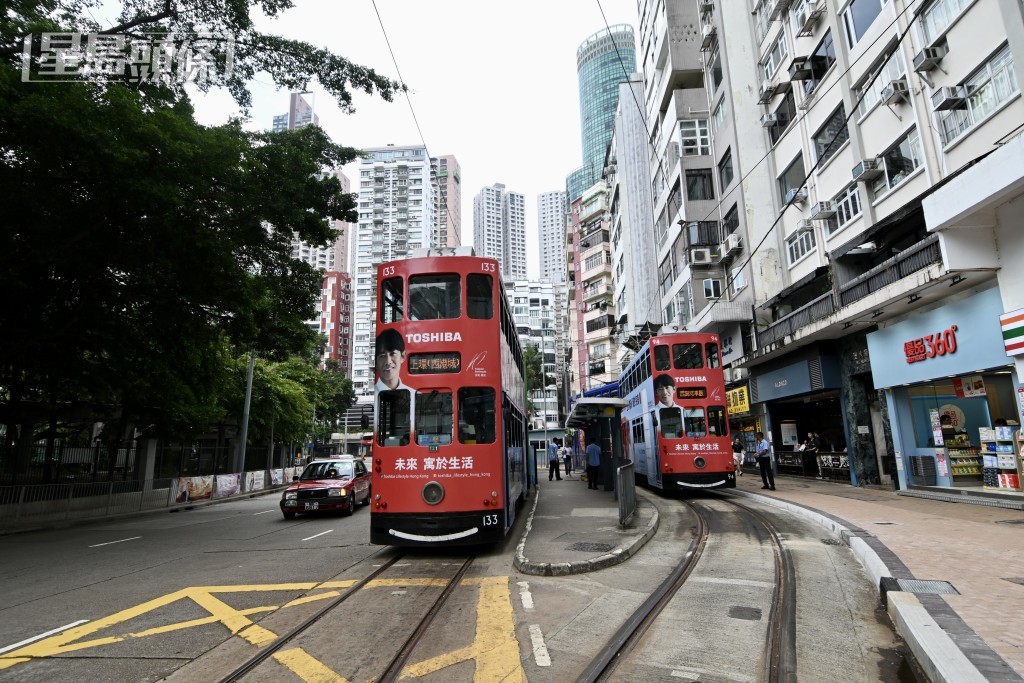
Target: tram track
(778,661)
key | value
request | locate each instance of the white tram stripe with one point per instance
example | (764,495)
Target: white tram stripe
(717,674)
(540,650)
(730,582)
(42,635)
(133,538)
(525,595)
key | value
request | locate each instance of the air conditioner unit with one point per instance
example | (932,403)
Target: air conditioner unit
(896,91)
(807,17)
(776,8)
(796,195)
(769,120)
(740,374)
(730,244)
(800,69)
(928,58)
(954,97)
(867,169)
(822,210)
(700,256)
(765,92)
(804,225)
(707,36)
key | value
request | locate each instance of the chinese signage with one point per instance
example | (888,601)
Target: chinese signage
(931,345)
(691,392)
(1012,325)
(737,400)
(428,363)
(970,387)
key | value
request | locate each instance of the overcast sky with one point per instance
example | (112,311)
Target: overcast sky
(492,83)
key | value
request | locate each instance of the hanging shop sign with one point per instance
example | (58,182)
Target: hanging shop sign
(931,345)
(737,400)
(1012,325)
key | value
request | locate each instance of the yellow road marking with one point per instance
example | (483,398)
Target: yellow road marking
(308,668)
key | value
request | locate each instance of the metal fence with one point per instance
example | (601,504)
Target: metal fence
(626,489)
(819,309)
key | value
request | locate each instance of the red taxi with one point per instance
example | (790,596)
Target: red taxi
(327,486)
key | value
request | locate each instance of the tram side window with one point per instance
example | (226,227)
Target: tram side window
(479,297)
(435,297)
(711,351)
(687,356)
(393,417)
(718,423)
(661,358)
(638,431)
(433,417)
(391,300)
(693,418)
(671,423)
(476,415)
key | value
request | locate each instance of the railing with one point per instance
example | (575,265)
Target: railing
(31,506)
(626,492)
(917,257)
(820,308)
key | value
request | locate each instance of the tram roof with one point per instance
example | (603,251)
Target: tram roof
(587,409)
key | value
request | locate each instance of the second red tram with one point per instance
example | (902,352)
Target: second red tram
(448,458)
(675,426)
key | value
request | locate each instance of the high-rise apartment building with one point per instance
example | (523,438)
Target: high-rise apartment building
(336,319)
(536,306)
(300,113)
(551,215)
(396,215)
(447,179)
(499,229)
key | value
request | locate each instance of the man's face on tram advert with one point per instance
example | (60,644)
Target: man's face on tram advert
(389,358)
(664,388)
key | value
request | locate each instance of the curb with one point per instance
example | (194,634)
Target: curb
(940,656)
(617,556)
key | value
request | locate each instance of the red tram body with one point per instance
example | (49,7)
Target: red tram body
(448,458)
(675,427)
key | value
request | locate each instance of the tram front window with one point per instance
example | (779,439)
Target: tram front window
(433,417)
(671,423)
(476,415)
(687,356)
(479,302)
(435,297)
(693,419)
(393,417)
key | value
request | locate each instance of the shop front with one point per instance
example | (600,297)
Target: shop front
(954,405)
(742,422)
(799,395)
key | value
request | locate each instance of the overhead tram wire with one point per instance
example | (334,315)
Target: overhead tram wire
(415,120)
(853,109)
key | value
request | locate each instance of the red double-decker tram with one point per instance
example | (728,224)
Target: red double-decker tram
(675,426)
(450,403)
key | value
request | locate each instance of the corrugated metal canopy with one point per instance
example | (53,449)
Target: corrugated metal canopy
(588,409)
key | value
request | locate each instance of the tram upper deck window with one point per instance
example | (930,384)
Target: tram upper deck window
(391,301)
(476,415)
(393,417)
(671,423)
(479,296)
(433,417)
(711,353)
(435,297)
(662,360)
(687,356)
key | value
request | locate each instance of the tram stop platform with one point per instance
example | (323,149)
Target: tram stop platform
(914,549)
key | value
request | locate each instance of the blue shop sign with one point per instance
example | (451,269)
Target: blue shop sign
(788,381)
(959,338)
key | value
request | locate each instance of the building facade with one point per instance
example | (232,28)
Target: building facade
(300,113)
(396,215)
(447,179)
(499,229)
(551,215)
(536,306)
(336,320)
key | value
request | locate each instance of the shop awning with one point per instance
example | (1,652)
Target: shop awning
(587,410)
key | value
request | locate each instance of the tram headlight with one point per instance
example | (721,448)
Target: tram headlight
(433,493)
(700,463)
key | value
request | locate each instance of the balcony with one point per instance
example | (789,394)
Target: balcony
(917,257)
(818,309)
(596,291)
(604,266)
(721,312)
(600,323)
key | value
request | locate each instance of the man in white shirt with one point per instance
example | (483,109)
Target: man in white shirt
(764,462)
(389,357)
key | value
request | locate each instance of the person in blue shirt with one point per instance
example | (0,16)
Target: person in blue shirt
(593,462)
(764,462)
(553,466)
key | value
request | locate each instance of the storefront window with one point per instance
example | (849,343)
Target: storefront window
(970,402)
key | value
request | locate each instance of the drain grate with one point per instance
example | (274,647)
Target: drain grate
(831,541)
(585,547)
(889,583)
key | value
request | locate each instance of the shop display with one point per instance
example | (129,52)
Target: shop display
(1001,462)
(965,465)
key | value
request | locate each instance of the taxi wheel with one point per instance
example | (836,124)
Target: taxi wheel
(288,515)
(351,504)
(369,495)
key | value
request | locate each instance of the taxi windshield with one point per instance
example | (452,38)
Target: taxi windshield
(327,470)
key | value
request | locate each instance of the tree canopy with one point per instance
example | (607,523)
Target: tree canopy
(144,252)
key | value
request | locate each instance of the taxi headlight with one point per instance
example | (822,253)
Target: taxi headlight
(292,496)
(334,493)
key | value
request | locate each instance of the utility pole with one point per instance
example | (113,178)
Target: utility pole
(245,413)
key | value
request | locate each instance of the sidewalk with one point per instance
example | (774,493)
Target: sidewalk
(909,545)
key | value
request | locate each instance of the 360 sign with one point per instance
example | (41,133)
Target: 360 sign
(931,345)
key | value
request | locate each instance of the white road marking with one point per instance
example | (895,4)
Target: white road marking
(540,650)
(698,674)
(525,595)
(398,592)
(42,635)
(113,542)
(317,535)
(261,513)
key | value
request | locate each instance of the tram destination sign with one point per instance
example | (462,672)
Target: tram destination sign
(434,363)
(691,392)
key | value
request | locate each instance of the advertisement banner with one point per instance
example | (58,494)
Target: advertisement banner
(193,488)
(254,480)
(276,477)
(227,485)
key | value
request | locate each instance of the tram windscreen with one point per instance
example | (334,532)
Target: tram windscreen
(687,356)
(476,415)
(393,417)
(671,423)
(479,296)
(435,297)
(391,300)
(693,419)
(433,417)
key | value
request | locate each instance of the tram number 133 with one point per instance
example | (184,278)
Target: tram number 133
(490,520)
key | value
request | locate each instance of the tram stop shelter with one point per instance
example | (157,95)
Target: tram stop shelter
(599,418)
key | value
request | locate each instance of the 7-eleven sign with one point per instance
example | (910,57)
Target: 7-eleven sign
(1013,331)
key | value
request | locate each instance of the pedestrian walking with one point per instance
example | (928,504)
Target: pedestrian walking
(553,468)
(593,462)
(567,457)
(764,462)
(737,454)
